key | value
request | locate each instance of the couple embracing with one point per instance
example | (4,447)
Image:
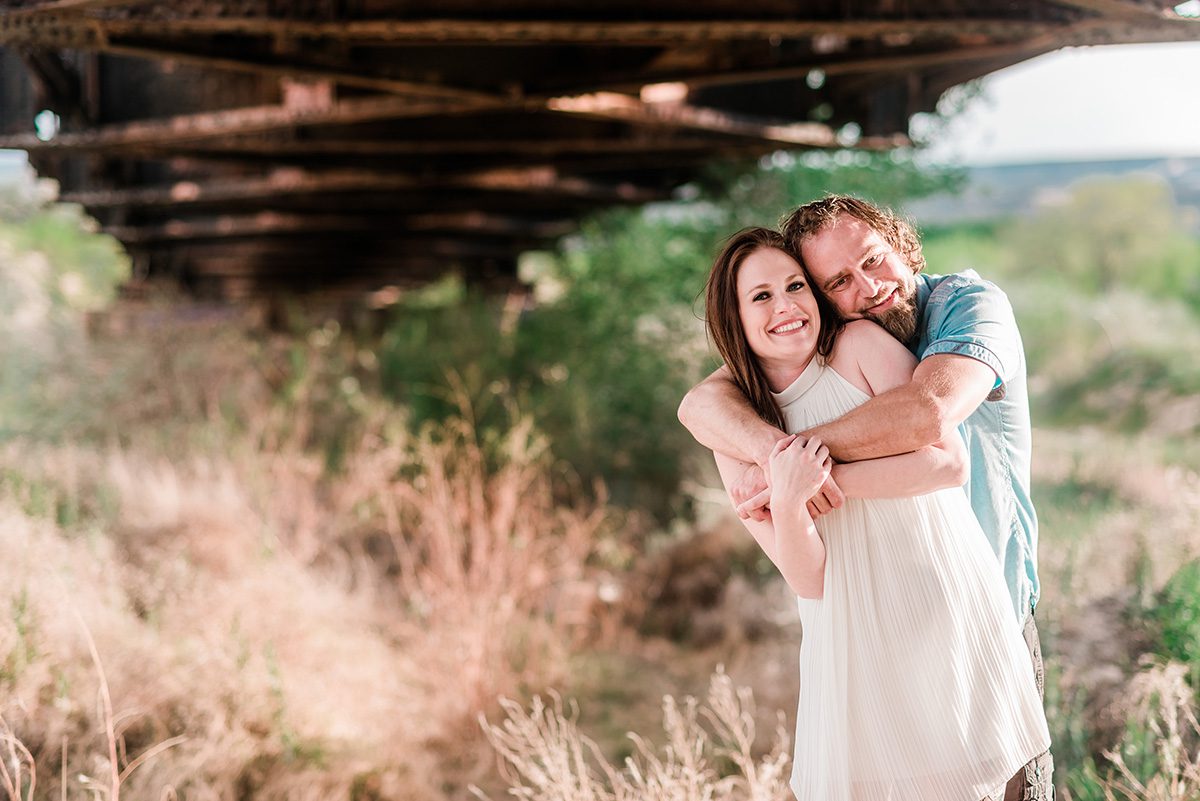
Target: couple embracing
(871,424)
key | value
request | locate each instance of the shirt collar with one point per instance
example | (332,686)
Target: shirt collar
(925,285)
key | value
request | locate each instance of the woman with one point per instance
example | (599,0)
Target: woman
(915,683)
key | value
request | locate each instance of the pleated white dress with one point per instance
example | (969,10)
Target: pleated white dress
(915,681)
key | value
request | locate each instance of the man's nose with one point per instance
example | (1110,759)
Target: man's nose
(867,285)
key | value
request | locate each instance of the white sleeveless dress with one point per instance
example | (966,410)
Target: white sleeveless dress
(915,681)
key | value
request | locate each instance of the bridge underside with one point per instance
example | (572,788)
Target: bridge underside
(243,146)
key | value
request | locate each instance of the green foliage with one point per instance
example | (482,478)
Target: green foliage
(1082,780)
(1109,232)
(1071,506)
(1117,360)
(297,751)
(1176,616)
(969,246)
(53,268)
(24,650)
(1106,294)
(1074,766)
(1138,750)
(324,388)
(43,497)
(1088,397)
(762,193)
(601,370)
(81,268)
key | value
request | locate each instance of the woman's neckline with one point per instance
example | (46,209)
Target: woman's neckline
(802,383)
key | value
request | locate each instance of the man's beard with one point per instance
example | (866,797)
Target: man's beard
(900,321)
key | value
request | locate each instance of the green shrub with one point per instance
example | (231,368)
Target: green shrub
(1177,617)
(600,367)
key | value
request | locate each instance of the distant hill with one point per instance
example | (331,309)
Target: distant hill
(1006,190)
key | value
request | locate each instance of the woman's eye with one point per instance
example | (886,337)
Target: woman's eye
(761,296)
(795,286)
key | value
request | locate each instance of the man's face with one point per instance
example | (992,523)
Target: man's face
(860,274)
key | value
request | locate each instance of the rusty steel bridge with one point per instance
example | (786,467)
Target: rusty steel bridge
(244,146)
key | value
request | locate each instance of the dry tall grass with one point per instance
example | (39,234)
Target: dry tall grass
(268,628)
(18,769)
(549,759)
(318,631)
(485,557)
(1161,702)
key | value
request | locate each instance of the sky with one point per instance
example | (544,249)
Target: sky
(1078,104)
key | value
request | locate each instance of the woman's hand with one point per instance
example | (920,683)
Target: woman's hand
(797,471)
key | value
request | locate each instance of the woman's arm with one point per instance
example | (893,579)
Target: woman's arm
(788,538)
(801,551)
(925,470)
(762,528)
(798,469)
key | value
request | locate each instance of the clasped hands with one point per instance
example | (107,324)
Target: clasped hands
(801,467)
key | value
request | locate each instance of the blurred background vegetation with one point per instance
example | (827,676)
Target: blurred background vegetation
(308,558)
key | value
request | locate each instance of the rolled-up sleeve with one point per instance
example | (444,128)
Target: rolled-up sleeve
(976,320)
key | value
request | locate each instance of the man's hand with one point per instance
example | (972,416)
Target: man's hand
(751,493)
(756,508)
(828,498)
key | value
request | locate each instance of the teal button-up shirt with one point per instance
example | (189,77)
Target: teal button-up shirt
(965,315)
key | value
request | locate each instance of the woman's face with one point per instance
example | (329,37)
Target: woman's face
(778,312)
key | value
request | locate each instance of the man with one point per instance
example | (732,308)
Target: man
(971,376)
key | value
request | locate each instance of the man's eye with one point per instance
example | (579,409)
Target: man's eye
(839,283)
(871,262)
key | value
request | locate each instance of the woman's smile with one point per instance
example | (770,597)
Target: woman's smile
(789,327)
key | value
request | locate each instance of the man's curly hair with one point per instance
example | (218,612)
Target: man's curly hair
(811,218)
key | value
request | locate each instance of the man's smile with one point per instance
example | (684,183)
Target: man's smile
(888,302)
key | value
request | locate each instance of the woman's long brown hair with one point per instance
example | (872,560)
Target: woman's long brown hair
(725,323)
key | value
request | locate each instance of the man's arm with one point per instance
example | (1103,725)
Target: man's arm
(720,418)
(974,346)
(944,390)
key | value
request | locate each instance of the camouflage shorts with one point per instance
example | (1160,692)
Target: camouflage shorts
(1032,782)
(1035,781)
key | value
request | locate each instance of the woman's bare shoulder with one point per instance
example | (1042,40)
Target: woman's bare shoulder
(845,359)
(857,338)
(866,355)
(865,333)
(867,350)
